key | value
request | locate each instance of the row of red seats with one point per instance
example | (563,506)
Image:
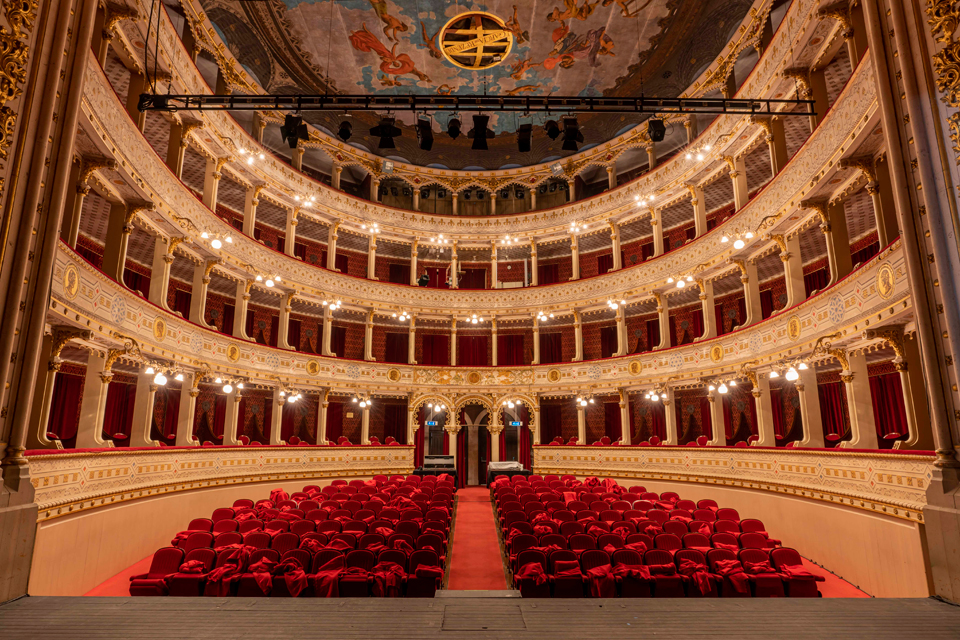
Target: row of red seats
(656,573)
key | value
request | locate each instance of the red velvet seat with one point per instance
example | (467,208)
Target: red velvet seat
(301,527)
(191,584)
(224,513)
(432,541)
(764,584)
(224,526)
(250,525)
(667,582)
(564,515)
(630,586)
(398,558)
(257,540)
(228,538)
(798,586)
(277,525)
(699,583)
(247,586)
(197,540)
(553,539)
(727,526)
(705,515)
(424,585)
(357,585)
(569,582)
(752,541)
(751,525)
(200,524)
(242,503)
(667,542)
(609,540)
(166,561)
(329,526)
(642,538)
(675,527)
(285,542)
(686,505)
(368,540)
(728,514)
(347,538)
(408,527)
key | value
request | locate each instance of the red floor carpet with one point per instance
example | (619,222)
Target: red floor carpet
(475,562)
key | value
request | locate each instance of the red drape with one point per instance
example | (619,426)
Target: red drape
(503,446)
(137,282)
(611,421)
(293,333)
(550,349)
(288,417)
(727,416)
(658,420)
(397,348)
(395,422)
(400,273)
(776,400)
(550,422)
(438,278)
(436,350)
(833,410)
(472,351)
(653,334)
(672,324)
(816,280)
(524,450)
(274,330)
(171,413)
(446,444)
(181,302)
(604,263)
(118,416)
(861,256)
(338,341)
(510,350)
(608,341)
(766,303)
(548,273)
(65,407)
(888,407)
(334,421)
(473,279)
(706,420)
(718,318)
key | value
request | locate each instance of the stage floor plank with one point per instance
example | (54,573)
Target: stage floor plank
(475,618)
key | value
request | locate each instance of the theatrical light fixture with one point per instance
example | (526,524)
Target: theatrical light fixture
(542,316)
(438,407)
(572,137)
(656,129)
(217,239)
(345,130)
(305,201)
(480,133)
(681,281)
(453,128)
(251,156)
(511,404)
(149,370)
(178,377)
(552,129)
(424,134)
(334,305)
(524,137)
(614,304)
(474,319)
(507,240)
(739,238)
(386,131)
(644,200)
(269,281)
(402,317)
(372,228)
(363,401)
(293,130)
(439,239)
(585,399)
(577,227)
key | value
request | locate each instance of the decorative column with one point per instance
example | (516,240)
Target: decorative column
(776,141)
(738,174)
(495,427)
(663,315)
(577,336)
(189,392)
(621,316)
(493,203)
(764,404)
(493,264)
(699,203)
(412,343)
(372,257)
(834,228)
(198,298)
(416,199)
(651,156)
(179,141)
(119,228)
(707,309)
(412,423)
(574,257)
(801,76)
(53,345)
(716,420)
(240,301)
(93,403)
(324,404)
(332,246)
(863,430)
(143,410)
(534,425)
(624,416)
(283,326)
(841,13)
(581,424)
(536,341)
(250,203)
(533,262)
(571,189)
(414,248)
(454,280)
(211,181)
(454,198)
(751,290)
(657,232)
(231,418)
(452,432)
(612,175)
(259,124)
(297,158)
(290,231)
(810,416)
(276,418)
(670,418)
(690,124)
(533,199)
(335,176)
(374,189)
(160,270)
(493,341)
(615,244)
(792,268)
(865,164)
(368,337)
(453,342)
(70,229)
(325,338)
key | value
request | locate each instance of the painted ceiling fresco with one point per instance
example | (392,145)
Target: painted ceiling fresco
(558,47)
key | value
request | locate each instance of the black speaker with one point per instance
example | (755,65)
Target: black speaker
(656,129)
(524,137)
(425,134)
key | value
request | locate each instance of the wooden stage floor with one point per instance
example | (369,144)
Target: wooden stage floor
(470,615)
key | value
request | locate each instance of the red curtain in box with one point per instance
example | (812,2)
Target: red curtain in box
(438,278)
(118,415)
(766,303)
(446,444)
(181,302)
(861,256)
(397,348)
(653,334)
(395,422)
(776,400)
(548,273)
(65,407)
(300,251)
(706,419)
(510,351)
(816,280)
(338,341)
(658,420)
(288,418)
(524,450)
(167,429)
(473,279)
(605,263)
(608,341)
(229,313)
(472,351)
(550,422)
(550,350)
(274,330)
(727,417)
(400,273)
(833,411)
(293,334)
(646,251)
(418,438)
(220,415)
(888,407)
(334,421)
(436,350)
(137,282)
(611,421)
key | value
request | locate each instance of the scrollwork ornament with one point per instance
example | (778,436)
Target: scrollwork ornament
(944,19)
(946,63)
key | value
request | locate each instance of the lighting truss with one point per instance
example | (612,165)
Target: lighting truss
(522,104)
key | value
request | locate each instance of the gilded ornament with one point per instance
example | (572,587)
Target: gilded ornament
(716,353)
(313,368)
(233,353)
(635,368)
(159,329)
(886,277)
(71,281)
(794,328)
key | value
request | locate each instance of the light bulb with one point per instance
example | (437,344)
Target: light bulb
(291,399)
(259,278)
(699,156)
(663,395)
(239,385)
(583,403)
(269,282)
(480,319)
(430,405)
(722,388)
(362,404)
(227,388)
(261,156)
(774,374)
(216,244)
(670,280)
(354,398)
(739,244)
(802,366)
(178,377)
(733,383)
(623,302)
(277,278)
(748,235)
(218,381)
(283,394)
(689,156)
(204,235)
(442,407)
(160,379)
(591,400)
(150,370)
(711,388)
(689,278)
(724,239)
(681,284)
(250,160)
(655,398)
(792,374)
(707,147)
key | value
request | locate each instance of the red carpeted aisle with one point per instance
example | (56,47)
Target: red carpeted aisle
(475,560)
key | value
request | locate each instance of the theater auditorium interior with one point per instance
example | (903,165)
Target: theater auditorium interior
(474,319)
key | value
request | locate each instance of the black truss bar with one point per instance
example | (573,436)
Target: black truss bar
(523,104)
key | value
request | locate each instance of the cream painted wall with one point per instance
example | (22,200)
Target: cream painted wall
(881,555)
(73,554)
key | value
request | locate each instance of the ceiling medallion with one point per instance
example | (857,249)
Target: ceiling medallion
(475,40)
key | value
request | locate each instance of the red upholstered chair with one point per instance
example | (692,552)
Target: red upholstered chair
(304,559)
(755,526)
(277,525)
(797,586)
(634,514)
(166,561)
(244,440)
(698,526)
(630,586)
(328,526)
(576,506)
(357,585)
(247,587)
(642,504)
(621,505)
(609,540)
(250,525)
(285,542)
(670,496)
(223,526)
(395,556)
(301,527)
(200,524)
(650,495)
(640,537)
(356,527)
(432,541)
(322,557)
(637,489)
(702,441)
(728,514)
(554,539)
(197,540)
(224,513)
(727,589)
(341,513)
(696,541)
(528,584)
(322,538)
(409,527)
(587,514)
(686,505)
(675,527)
(706,503)
(368,540)
(517,545)
(658,515)
(242,503)
(752,541)
(625,527)
(347,538)
(564,515)
(224,539)
(728,539)
(667,582)
(424,585)
(591,560)
(766,584)
(570,585)
(654,441)
(257,540)
(568,529)
(667,542)
(704,515)
(191,584)
(610,515)
(727,526)
(695,588)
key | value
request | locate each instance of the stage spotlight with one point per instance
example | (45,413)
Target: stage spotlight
(571,135)
(386,131)
(656,129)
(453,128)
(345,131)
(552,129)
(293,130)
(424,134)
(524,136)
(504,194)
(480,133)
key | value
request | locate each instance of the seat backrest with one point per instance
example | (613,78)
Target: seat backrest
(166,560)
(341,513)
(698,526)
(628,527)
(522,542)
(576,506)
(513,516)
(292,504)
(223,513)
(690,554)
(355,526)
(727,526)
(400,536)
(783,556)
(657,515)
(750,525)
(587,514)
(686,505)
(322,557)
(582,541)
(706,503)
(594,558)
(200,524)
(670,496)
(361,558)
(197,540)
(649,495)
(242,503)
(657,557)
(643,505)
(322,538)
(637,489)
(680,513)
(724,538)
(626,556)
(328,526)
(285,542)
(300,556)
(728,514)
(370,539)
(207,556)
(277,525)
(752,541)
(715,555)
(365,514)
(667,542)
(548,539)
(230,537)
(753,555)
(621,505)
(258,540)
(704,515)
(610,515)
(640,537)
(564,515)
(692,540)
(430,541)
(301,527)
(348,538)
(423,558)
(393,555)
(353,505)
(260,554)
(223,526)
(571,528)
(409,527)
(609,539)
(675,527)
(562,556)
(309,505)
(598,505)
